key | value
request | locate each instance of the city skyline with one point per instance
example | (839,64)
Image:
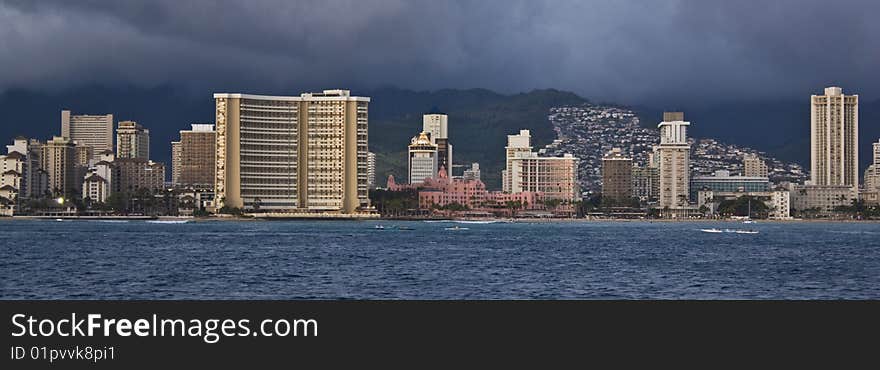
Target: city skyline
(310,153)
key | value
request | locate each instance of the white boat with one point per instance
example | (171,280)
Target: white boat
(456,228)
(59,220)
(746,231)
(380,227)
(748,219)
(714,231)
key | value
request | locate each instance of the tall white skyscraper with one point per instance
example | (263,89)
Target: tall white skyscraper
(674,158)
(520,143)
(422,159)
(436,125)
(95,131)
(872,174)
(371,170)
(834,127)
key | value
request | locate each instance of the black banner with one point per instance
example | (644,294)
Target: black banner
(329,334)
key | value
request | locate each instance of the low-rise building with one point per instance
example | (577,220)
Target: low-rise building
(777,201)
(443,191)
(722,181)
(821,200)
(135,173)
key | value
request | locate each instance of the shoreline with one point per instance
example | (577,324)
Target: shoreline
(487,220)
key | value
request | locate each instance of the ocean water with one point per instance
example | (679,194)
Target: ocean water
(354,260)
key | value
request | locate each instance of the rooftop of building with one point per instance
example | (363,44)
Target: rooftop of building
(328,95)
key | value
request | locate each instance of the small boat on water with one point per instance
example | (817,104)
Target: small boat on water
(380,227)
(713,230)
(746,231)
(748,222)
(456,228)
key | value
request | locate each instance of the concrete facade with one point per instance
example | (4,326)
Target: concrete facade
(673,155)
(617,176)
(304,153)
(132,140)
(95,131)
(193,157)
(834,139)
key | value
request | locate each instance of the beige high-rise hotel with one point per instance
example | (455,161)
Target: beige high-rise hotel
(754,166)
(58,159)
(304,153)
(834,139)
(132,140)
(674,157)
(193,162)
(555,177)
(95,131)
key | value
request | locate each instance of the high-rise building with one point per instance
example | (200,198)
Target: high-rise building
(834,127)
(95,131)
(436,125)
(872,173)
(876,160)
(646,183)
(371,170)
(472,173)
(616,176)
(555,177)
(193,158)
(754,166)
(176,163)
(292,153)
(520,143)
(422,158)
(674,160)
(58,159)
(132,140)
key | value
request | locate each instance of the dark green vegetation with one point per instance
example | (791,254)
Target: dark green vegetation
(741,207)
(395,203)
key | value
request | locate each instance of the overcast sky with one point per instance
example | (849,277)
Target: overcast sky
(626,51)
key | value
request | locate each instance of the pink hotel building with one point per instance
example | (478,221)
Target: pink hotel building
(444,191)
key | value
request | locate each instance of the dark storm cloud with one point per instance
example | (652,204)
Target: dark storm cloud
(608,50)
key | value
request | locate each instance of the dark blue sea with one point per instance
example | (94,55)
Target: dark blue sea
(354,260)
